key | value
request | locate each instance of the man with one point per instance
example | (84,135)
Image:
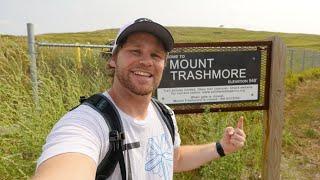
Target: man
(79,141)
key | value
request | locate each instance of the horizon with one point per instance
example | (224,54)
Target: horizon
(73,16)
(92,31)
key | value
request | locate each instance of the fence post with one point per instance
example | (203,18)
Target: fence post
(88,53)
(274,116)
(78,54)
(313,55)
(291,60)
(318,59)
(303,57)
(33,64)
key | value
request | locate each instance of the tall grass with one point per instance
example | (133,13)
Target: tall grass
(294,79)
(23,129)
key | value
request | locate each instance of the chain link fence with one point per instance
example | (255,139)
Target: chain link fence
(301,59)
(298,60)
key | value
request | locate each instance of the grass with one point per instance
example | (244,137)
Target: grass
(294,79)
(198,129)
(23,129)
(311,133)
(301,135)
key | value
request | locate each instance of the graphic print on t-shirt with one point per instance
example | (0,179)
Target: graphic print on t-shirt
(159,158)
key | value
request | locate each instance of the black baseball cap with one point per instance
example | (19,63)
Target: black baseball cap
(145,25)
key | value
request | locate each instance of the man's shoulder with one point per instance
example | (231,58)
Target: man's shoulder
(84,116)
(82,111)
(81,130)
(163,105)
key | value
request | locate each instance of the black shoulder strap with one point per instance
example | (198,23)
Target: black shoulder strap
(166,115)
(105,107)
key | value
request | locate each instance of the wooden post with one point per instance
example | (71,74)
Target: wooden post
(274,117)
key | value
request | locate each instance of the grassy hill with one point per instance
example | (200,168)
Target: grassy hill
(192,34)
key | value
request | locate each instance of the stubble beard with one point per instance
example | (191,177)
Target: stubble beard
(126,81)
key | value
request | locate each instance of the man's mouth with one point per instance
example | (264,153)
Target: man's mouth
(141,73)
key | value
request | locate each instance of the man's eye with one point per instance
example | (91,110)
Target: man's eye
(156,56)
(135,52)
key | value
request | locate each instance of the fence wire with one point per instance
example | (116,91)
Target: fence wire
(299,60)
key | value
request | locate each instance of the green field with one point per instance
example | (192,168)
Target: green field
(191,34)
(23,129)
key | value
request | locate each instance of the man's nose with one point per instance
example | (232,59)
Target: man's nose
(146,60)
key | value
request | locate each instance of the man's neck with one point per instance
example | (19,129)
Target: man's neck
(134,105)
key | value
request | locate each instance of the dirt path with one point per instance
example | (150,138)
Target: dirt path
(301,137)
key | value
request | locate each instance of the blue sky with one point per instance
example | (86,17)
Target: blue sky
(82,15)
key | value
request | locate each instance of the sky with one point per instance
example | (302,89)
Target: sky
(57,16)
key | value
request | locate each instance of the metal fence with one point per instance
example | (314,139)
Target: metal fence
(32,47)
(298,60)
(301,59)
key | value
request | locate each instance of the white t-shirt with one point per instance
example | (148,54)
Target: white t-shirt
(84,130)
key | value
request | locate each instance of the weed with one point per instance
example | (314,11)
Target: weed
(311,133)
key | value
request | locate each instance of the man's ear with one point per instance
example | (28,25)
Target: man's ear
(112,61)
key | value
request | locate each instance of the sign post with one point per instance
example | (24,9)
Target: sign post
(274,116)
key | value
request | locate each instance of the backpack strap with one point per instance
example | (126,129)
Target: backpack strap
(105,107)
(166,115)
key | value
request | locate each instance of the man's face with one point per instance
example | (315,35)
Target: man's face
(139,64)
